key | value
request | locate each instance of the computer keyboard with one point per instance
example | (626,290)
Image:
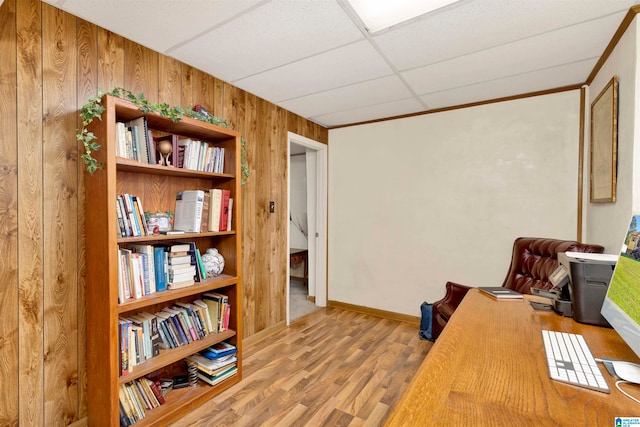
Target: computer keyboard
(570,360)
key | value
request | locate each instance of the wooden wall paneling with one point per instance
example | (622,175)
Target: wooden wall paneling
(60,173)
(141,70)
(249,216)
(186,98)
(9,329)
(280,188)
(87,87)
(230,104)
(169,81)
(110,60)
(202,90)
(30,220)
(218,96)
(273,242)
(262,234)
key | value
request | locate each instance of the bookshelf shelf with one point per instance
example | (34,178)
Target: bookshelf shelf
(172,237)
(219,282)
(168,357)
(123,164)
(156,186)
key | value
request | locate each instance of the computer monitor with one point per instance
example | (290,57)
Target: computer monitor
(621,305)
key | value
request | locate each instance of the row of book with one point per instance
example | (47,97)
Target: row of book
(134,141)
(144,269)
(201,211)
(200,156)
(195,211)
(136,397)
(216,363)
(143,335)
(131,219)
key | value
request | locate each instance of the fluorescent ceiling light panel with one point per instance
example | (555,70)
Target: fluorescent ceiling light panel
(380,14)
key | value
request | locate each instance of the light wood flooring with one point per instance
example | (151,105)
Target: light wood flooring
(332,367)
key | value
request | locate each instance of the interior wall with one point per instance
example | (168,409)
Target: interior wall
(607,223)
(418,201)
(50,64)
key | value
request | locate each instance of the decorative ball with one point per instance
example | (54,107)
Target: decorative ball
(213,262)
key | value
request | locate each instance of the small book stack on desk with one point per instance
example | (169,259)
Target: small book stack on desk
(499,292)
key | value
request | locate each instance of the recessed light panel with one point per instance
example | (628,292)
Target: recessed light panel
(380,14)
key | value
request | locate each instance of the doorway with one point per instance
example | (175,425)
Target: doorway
(307,228)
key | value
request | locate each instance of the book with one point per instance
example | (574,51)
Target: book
(218,378)
(139,133)
(148,265)
(224,210)
(180,285)
(188,212)
(160,264)
(215,207)
(204,221)
(499,292)
(229,219)
(219,350)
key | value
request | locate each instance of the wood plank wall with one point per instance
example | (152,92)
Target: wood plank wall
(50,63)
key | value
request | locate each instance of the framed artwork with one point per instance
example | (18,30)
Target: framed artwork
(604,144)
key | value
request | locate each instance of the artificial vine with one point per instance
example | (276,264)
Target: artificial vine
(93,109)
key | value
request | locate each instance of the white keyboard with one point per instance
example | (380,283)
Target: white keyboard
(570,360)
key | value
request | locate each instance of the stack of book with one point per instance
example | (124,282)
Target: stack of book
(183,323)
(220,209)
(182,272)
(216,363)
(145,269)
(137,397)
(139,340)
(143,335)
(200,156)
(219,310)
(134,141)
(131,219)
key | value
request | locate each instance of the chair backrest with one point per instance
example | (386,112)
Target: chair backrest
(534,259)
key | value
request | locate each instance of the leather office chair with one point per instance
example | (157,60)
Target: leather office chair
(532,262)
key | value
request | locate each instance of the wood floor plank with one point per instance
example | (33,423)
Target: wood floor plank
(332,367)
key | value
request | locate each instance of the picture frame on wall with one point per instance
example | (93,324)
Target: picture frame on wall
(604,144)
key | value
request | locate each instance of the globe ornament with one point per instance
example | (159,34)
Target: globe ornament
(213,262)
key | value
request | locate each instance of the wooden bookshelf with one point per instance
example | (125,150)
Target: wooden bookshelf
(156,186)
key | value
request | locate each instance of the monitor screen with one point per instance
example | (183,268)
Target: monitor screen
(621,306)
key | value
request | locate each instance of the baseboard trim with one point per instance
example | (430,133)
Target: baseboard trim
(414,320)
(312,299)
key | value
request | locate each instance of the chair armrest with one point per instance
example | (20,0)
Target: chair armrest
(444,308)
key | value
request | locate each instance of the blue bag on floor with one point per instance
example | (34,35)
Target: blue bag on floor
(426,321)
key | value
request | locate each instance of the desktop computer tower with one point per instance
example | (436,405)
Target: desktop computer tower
(588,283)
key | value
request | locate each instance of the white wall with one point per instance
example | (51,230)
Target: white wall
(606,223)
(418,201)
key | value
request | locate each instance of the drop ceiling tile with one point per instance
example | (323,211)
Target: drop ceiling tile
(579,42)
(336,68)
(446,34)
(157,24)
(376,91)
(550,78)
(370,112)
(277,33)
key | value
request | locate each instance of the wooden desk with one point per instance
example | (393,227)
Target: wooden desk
(488,368)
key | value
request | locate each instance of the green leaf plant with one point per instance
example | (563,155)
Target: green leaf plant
(93,109)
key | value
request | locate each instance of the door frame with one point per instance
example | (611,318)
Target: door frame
(317,249)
